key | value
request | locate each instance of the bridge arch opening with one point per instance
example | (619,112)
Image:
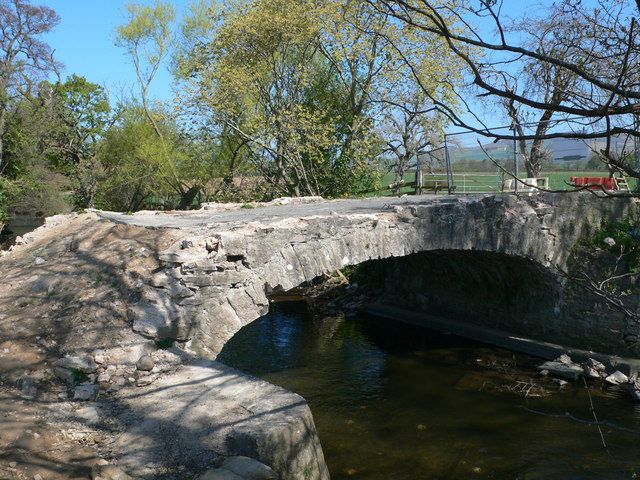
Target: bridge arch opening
(505,292)
(491,289)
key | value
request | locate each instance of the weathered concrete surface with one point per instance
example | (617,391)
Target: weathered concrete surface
(217,278)
(535,348)
(64,294)
(205,410)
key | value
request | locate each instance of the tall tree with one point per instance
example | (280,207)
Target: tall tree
(600,51)
(410,133)
(304,83)
(147,36)
(82,117)
(25,58)
(551,84)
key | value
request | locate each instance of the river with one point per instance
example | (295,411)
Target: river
(18,225)
(392,401)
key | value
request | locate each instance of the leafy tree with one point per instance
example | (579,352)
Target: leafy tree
(147,38)
(127,154)
(259,68)
(588,66)
(133,160)
(25,58)
(38,186)
(410,133)
(305,84)
(81,118)
(552,84)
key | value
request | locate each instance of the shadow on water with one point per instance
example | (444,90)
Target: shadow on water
(393,401)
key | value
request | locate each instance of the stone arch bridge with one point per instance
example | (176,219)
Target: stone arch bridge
(471,250)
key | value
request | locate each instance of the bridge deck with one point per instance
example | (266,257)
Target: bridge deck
(268,214)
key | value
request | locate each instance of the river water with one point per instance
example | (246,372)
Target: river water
(18,225)
(395,402)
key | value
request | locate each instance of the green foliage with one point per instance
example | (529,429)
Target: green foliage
(128,155)
(9,190)
(277,97)
(83,117)
(147,37)
(165,343)
(356,273)
(626,235)
(78,375)
(141,171)
(302,84)
(51,143)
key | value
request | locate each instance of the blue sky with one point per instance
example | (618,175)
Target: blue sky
(84,42)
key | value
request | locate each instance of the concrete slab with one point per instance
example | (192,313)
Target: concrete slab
(201,412)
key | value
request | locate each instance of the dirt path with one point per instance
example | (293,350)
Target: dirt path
(65,293)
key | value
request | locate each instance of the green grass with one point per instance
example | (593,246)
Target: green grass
(79,376)
(165,343)
(481,182)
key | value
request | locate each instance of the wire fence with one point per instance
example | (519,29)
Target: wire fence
(471,163)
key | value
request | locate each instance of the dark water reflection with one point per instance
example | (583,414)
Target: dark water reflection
(392,401)
(18,225)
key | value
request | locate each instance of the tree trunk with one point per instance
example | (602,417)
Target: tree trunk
(3,123)
(187,198)
(535,159)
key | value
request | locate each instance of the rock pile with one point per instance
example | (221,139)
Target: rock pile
(565,368)
(110,371)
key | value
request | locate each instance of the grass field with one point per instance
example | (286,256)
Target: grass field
(485,182)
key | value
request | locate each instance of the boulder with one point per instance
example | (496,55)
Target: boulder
(83,364)
(28,387)
(88,415)
(64,374)
(591,372)
(86,391)
(596,365)
(617,378)
(145,363)
(561,369)
(564,358)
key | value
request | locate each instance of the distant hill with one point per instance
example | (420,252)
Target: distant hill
(563,149)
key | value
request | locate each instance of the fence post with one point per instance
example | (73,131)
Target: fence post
(448,163)
(516,168)
(418,174)
(636,146)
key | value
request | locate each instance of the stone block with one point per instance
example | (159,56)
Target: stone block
(249,469)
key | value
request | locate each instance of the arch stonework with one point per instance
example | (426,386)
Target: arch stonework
(218,278)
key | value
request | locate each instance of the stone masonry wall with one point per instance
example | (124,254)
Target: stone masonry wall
(217,280)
